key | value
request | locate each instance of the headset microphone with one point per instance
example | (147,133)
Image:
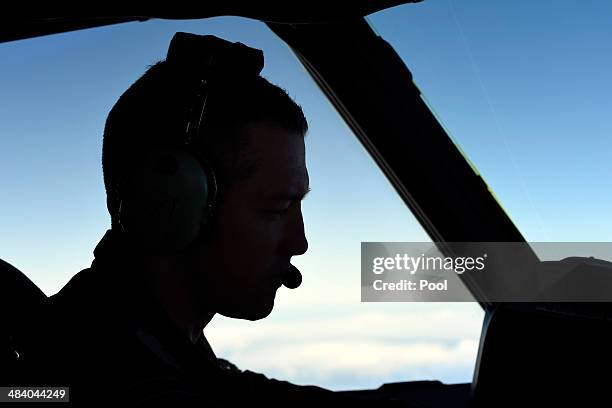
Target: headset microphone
(292,278)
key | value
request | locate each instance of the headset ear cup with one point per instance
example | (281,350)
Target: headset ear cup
(167,200)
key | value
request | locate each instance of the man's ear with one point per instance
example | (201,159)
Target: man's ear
(190,258)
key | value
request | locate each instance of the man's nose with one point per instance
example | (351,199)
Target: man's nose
(295,239)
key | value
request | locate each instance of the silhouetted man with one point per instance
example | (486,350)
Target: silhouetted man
(204,170)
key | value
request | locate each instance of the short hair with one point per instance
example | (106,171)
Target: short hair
(153,113)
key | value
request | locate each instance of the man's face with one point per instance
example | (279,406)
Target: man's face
(258,227)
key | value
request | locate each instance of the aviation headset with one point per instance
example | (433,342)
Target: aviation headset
(173,191)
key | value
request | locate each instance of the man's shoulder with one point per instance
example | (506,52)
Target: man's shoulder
(86,335)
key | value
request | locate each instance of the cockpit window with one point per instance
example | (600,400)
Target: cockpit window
(56,94)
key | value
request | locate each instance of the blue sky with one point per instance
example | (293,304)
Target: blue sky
(522,87)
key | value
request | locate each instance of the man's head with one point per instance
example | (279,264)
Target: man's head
(253,137)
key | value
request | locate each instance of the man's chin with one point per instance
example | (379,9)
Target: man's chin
(251,312)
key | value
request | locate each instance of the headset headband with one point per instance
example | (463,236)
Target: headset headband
(207,58)
(193,53)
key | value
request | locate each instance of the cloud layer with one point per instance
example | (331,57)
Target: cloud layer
(358,349)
